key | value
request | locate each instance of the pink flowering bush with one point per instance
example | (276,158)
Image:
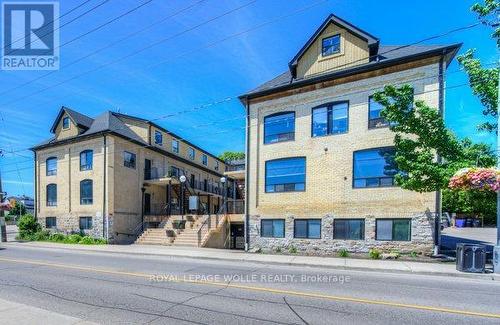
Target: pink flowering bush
(481,179)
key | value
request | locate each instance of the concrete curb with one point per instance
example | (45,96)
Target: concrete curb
(72,247)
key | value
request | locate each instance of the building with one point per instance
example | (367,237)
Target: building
(318,171)
(117,176)
(26,201)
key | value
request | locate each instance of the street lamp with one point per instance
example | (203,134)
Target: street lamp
(183,180)
(223,180)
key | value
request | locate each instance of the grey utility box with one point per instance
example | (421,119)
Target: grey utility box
(471,258)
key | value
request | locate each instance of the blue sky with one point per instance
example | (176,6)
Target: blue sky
(183,72)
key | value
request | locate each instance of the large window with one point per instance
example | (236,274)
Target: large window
(307,228)
(272,228)
(330,45)
(51,195)
(158,137)
(85,223)
(216,166)
(393,229)
(332,118)
(353,229)
(175,146)
(86,192)
(374,168)
(66,123)
(279,127)
(204,160)
(129,159)
(375,120)
(51,166)
(286,175)
(86,158)
(50,222)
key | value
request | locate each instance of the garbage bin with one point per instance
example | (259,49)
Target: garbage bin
(471,258)
(460,223)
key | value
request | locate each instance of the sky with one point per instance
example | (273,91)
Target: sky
(204,57)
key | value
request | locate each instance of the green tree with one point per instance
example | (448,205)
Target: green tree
(232,155)
(484,81)
(18,209)
(480,203)
(420,135)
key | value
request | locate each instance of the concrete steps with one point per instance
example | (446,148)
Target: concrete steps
(186,237)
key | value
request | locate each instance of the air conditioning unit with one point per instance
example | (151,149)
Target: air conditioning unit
(471,258)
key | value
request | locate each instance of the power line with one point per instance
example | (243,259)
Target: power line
(69,22)
(133,53)
(52,21)
(323,100)
(105,47)
(209,45)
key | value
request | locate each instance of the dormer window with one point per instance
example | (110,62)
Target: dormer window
(66,123)
(330,45)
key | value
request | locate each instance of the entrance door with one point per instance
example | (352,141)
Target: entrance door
(237,236)
(147,203)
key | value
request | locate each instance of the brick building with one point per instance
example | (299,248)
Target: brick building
(319,172)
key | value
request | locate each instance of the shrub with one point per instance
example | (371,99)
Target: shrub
(41,235)
(72,239)
(343,252)
(374,254)
(28,226)
(100,241)
(86,240)
(413,254)
(292,250)
(277,249)
(57,237)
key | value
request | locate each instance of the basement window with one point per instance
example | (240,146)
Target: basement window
(393,229)
(272,228)
(85,223)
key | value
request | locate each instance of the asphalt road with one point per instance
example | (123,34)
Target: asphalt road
(119,288)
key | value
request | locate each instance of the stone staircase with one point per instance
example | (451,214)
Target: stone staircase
(183,237)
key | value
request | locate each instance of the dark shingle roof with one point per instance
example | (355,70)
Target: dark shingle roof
(387,54)
(106,122)
(79,119)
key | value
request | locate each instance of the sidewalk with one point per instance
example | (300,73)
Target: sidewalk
(438,268)
(12,313)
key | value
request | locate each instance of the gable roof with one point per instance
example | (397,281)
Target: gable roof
(387,56)
(370,39)
(79,119)
(109,122)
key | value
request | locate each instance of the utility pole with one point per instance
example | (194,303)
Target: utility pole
(496,249)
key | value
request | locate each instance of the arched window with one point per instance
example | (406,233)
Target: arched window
(51,166)
(86,192)
(51,195)
(86,158)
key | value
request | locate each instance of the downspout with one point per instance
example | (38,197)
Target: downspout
(437,221)
(247,176)
(35,183)
(105,233)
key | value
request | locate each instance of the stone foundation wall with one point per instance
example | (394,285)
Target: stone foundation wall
(70,223)
(421,237)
